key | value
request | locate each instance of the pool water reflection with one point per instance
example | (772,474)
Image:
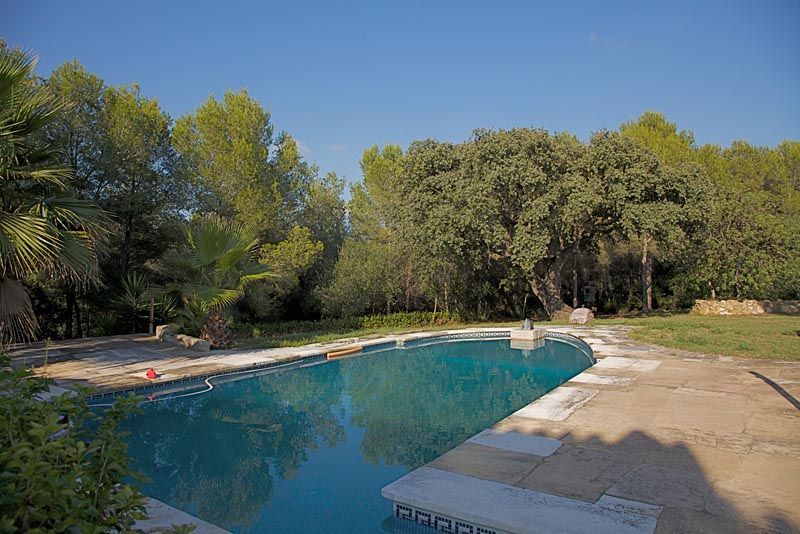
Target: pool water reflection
(308,449)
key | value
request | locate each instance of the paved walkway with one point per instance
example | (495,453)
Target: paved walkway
(649,439)
(120,362)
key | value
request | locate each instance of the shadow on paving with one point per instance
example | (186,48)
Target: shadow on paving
(48,352)
(703,487)
(109,363)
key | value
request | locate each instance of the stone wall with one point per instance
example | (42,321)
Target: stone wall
(746,307)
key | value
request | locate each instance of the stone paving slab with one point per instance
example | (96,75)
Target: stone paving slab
(488,463)
(600,380)
(632,364)
(558,404)
(515,441)
(121,362)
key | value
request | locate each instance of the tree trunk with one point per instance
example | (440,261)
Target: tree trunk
(647,277)
(69,297)
(215,330)
(575,249)
(126,245)
(78,321)
(548,290)
(409,286)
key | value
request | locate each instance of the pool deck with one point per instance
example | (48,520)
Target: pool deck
(648,440)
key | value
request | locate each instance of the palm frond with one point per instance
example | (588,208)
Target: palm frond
(255,275)
(218,263)
(17,320)
(14,68)
(56,235)
(76,258)
(26,243)
(214,298)
(74,214)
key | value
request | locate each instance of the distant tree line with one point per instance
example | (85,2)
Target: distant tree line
(641,217)
(505,223)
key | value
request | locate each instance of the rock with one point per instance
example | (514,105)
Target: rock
(161,330)
(163,334)
(193,343)
(563,314)
(201,345)
(581,316)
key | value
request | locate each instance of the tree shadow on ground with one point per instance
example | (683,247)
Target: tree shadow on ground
(702,487)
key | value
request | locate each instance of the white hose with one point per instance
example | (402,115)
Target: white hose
(210,378)
(210,386)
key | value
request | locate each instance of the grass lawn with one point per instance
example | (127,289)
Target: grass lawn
(770,337)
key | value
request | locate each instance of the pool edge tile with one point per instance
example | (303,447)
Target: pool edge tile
(513,509)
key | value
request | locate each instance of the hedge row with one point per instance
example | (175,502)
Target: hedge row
(348,324)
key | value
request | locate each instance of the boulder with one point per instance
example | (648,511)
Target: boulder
(202,345)
(562,315)
(163,334)
(581,316)
(161,331)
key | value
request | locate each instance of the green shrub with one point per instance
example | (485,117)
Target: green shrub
(189,320)
(406,320)
(347,324)
(57,477)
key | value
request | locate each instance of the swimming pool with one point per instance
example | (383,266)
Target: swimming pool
(309,449)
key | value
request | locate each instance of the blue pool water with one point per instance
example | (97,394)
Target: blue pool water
(309,449)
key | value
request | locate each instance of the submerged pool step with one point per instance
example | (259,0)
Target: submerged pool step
(457,503)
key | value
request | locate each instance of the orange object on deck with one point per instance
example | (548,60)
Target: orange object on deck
(151,374)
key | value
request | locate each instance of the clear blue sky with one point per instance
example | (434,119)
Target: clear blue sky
(342,76)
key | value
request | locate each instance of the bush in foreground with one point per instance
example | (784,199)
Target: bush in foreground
(58,476)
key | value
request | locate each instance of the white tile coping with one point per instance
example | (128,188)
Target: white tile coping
(606,380)
(557,405)
(630,364)
(517,510)
(514,441)
(162,515)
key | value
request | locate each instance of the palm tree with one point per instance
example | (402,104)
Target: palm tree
(215,268)
(42,228)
